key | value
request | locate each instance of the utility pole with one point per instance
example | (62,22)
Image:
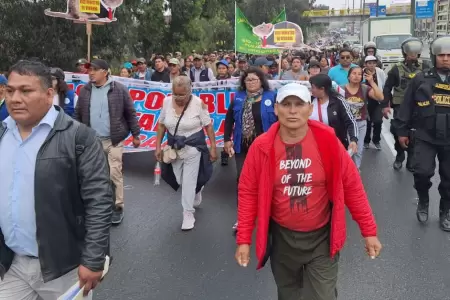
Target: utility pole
(413,16)
(378,3)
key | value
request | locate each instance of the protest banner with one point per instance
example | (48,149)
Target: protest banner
(148,98)
(98,12)
(86,11)
(246,41)
(282,35)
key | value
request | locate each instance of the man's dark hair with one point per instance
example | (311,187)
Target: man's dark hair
(161,57)
(346,50)
(296,58)
(33,68)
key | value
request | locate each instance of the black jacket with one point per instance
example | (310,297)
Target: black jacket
(205,171)
(341,119)
(73,201)
(419,110)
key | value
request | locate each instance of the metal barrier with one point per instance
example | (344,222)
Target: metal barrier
(354,12)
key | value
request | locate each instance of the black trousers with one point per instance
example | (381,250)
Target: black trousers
(375,120)
(424,168)
(239,158)
(301,264)
(400,150)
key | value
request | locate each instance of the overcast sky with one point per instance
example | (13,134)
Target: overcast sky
(339,4)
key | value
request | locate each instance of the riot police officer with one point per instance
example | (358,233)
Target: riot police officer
(398,79)
(426,108)
(370,49)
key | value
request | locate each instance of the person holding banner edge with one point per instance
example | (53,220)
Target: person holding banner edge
(248,116)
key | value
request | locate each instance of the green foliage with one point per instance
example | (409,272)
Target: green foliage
(140,30)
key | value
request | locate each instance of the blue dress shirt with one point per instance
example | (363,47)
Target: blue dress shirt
(17,165)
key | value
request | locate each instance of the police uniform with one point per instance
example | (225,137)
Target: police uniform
(426,107)
(399,77)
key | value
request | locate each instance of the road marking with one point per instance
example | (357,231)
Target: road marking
(387,135)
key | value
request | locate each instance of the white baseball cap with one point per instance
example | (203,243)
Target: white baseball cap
(294,89)
(370,58)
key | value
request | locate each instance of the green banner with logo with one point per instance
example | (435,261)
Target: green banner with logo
(246,41)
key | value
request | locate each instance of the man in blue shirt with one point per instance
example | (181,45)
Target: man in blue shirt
(339,73)
(55,205)
(3,111)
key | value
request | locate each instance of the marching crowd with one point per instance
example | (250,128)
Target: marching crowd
(297,151)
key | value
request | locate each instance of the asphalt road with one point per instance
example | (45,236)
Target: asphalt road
(154,260)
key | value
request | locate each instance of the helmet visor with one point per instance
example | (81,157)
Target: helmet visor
(413,47)
(441,46)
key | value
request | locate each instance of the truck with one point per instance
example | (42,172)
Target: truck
(388,33)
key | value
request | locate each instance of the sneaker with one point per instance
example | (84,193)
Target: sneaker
(378,146)
(235,226)
(188,221)
(397,165)
(366,145)
(198,199)
(117,216)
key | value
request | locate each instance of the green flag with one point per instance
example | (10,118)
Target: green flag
(281,17)
(245,40)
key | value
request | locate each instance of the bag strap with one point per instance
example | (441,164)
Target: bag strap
(181,116)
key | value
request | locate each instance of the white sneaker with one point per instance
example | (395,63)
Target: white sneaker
(188,221)
(198,199)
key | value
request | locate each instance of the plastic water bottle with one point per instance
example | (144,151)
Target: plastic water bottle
(350,152)
(157,173)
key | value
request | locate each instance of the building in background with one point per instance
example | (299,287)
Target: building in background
(442,17)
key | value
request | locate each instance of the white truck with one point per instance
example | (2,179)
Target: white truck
(388,33)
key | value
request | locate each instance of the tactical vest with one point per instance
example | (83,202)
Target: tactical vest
(433,111)
(405,76)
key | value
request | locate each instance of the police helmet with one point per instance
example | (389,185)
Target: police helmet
(440,45)
(412,46)
(370,45)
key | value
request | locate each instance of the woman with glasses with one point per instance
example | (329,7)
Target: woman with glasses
(63,96)
(249,115)
(187,158)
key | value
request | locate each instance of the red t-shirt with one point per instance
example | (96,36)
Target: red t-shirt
(300,198)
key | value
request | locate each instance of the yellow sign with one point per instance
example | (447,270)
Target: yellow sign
(354,12)
(423,103)
(284,36)
(90,6)
(442,100)
(443,86)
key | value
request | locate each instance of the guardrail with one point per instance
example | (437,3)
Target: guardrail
(354,12)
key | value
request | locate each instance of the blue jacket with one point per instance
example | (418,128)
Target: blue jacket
(268,116)
(69,103)
(148,75)
(3,111)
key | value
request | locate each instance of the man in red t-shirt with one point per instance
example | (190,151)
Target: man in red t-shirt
(295,183)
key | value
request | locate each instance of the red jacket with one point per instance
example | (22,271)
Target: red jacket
(343,184)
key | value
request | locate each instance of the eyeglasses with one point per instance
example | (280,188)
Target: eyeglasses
(251,80)
(180,96)
(346,57)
